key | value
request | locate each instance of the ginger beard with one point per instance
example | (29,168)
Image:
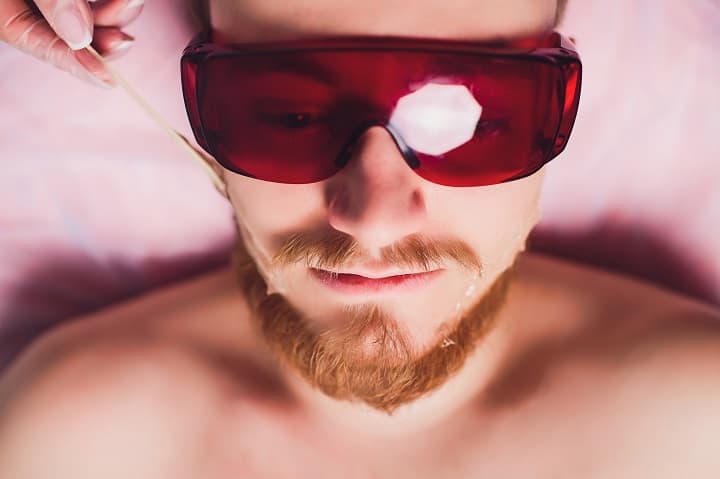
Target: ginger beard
(369,359)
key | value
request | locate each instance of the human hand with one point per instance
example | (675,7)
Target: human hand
(57,31)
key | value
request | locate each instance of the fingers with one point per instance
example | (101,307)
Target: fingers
(111,42)
(72,20)
(57,31)
(26,30)
(91,69)
(116,13)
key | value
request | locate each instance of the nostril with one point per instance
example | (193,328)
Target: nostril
(416,200)
(339,204)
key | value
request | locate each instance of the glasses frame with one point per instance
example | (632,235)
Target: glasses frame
(553,48)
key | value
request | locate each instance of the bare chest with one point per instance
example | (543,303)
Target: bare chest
(567,444)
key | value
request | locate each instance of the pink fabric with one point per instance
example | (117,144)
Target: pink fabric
(97,205)
(637,190)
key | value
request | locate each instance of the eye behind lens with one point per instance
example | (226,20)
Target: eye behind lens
(491,127)
(292,120)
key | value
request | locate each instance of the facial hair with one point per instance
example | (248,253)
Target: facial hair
(370,358)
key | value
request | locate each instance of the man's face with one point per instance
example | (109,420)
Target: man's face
(377,218)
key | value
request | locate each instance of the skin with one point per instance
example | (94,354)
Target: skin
(58,31)
(586,374)
(377,199)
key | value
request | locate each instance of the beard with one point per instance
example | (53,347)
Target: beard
(370,357)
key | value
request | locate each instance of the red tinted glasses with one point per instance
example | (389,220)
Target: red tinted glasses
(460,113)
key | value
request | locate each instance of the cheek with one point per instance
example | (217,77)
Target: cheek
(272,210)
(495,220)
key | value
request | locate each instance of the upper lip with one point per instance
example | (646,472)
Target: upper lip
(378,273)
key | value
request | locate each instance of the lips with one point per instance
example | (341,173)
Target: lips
(356,284)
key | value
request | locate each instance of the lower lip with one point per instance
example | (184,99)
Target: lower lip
(356,284)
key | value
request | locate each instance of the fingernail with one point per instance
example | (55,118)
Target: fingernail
(119,48)
(134,3)
(72,28)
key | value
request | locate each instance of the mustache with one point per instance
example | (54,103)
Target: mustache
(332,250)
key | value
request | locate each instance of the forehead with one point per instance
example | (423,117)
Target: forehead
(266,20)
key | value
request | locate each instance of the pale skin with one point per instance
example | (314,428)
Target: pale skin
(58,31)
(588,374)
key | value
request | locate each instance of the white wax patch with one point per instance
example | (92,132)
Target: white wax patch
(437,118)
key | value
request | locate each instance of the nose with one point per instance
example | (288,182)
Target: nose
(376,197)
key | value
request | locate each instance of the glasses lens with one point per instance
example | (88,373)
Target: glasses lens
(470,120)
(517,118)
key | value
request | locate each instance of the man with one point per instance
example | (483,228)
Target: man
(380,318)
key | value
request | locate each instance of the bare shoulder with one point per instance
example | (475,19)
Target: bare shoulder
(112,407)
(142,339)
(640,365)
(627,322)
(666,400)
(120,390)
(607,292)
